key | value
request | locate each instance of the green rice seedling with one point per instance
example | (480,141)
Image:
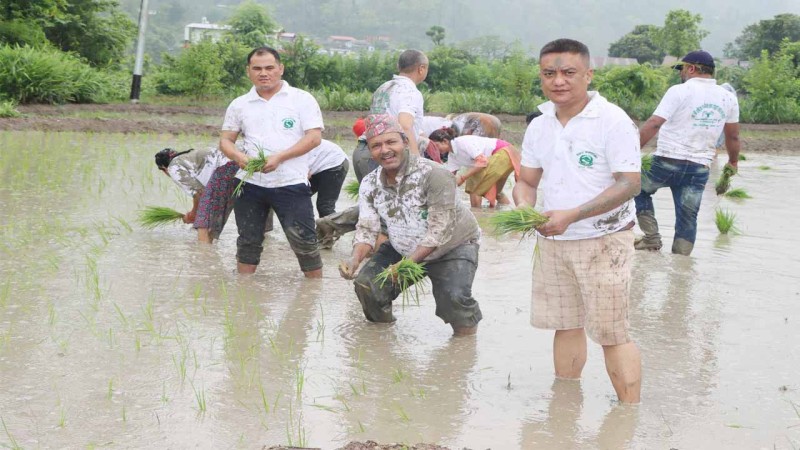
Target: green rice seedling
(725,221)
(154,216)
(253,165)
(351,189)
(11,439)
(737,193)
(724,182)
(764,168)
(647,162)
(523,220)
(406,274)
(742,157)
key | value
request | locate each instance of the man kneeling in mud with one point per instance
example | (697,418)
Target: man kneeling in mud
(417,200)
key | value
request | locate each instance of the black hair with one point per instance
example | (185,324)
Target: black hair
(565,46)
(443,134)
(164,157)
(262,50)
(529,118)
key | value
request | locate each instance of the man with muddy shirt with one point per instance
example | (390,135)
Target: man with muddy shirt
(689,120)
(418,201)
(286,123)
(400,98)
(583,153)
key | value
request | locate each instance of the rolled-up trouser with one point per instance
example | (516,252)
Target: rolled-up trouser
(327,184)
(451,279)
(362,161)
(292,205)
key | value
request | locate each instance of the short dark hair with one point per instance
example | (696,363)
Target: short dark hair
(565,46)
(443,134)
(529,118)
(263,50)
(410,59)
(702,68)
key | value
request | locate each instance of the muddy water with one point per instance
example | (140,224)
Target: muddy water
(114,336)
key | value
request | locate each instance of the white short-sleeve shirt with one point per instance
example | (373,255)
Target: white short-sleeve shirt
(695,112)
(466,148)
(578,162)
(399,95)
(326,155)
(274,125)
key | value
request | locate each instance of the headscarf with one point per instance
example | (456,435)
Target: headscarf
(378,124)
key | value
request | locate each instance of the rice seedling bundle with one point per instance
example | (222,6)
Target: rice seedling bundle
(737,193)
(725,221)
(154,216)
(253,165)
(408,273)
(742,157)
(724,182)
(521,220)
(647,161)
(351,189)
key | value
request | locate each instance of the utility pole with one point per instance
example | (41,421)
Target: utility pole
(136,85)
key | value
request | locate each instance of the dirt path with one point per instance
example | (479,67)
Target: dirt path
(172,119)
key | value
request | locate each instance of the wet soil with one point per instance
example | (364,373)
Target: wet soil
(369,445)
(171,119)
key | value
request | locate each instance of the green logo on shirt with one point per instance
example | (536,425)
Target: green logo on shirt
(288,123)
(423,214)
(586,159)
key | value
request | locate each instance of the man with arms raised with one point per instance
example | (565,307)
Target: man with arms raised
(583,154)
(286,123)
(417,200)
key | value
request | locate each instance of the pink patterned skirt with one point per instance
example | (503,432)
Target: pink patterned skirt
(216,203)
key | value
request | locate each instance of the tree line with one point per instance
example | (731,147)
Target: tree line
(79,51)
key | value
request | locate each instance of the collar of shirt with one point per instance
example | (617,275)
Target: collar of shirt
(253,96)
(407,166)
(702,80)
(590,111)
(403,79)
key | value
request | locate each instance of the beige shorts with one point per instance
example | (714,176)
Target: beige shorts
(584,284)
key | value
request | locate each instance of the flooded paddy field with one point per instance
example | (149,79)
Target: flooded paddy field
(113,336)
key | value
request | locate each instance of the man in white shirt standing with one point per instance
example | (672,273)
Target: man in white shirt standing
(688,120)
(583,153)
(286,123)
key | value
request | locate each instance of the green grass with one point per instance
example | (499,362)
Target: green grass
(725,221)
(351,189)
(154,216)
(8,109)
(405,274)
(737,193)
(253,165)
(724,182)
(523,220)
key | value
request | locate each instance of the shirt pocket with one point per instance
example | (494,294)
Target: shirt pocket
(585,155)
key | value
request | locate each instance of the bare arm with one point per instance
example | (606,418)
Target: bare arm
(626,186)
(407,122)
(472,171)
(732,143)
(649,129)
(227,144)
(190,216)
(524,192)
(310,140)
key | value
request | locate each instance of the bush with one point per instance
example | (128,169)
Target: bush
(46,75)
(20,32)
(774,91)
(339,99)
(8,109)
(637,89)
